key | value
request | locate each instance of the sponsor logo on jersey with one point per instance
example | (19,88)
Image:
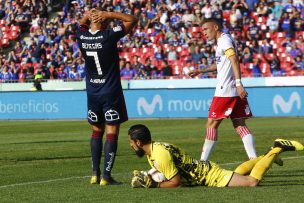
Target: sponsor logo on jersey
(117,28)
(111,115)
(91,46)
(97,81)
(286,106)
(149,108)
(92,116)
(91,38)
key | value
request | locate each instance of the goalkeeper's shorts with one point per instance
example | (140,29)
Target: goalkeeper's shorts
(218,177)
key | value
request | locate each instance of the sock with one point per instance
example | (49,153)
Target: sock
(262,166)
(96,149)
(210,141)
(248,141)
(246,167)
(110,149)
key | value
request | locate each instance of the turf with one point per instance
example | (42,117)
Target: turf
(49,161)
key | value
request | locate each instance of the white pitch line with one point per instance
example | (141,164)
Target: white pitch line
(44,181)
(81,177)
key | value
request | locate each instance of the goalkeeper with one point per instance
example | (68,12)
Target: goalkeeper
(181,169)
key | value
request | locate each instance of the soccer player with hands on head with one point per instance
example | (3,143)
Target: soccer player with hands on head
(230,98)
(180,169)
(106,105)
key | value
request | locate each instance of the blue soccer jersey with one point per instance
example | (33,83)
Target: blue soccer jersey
(104,91)
(99,50)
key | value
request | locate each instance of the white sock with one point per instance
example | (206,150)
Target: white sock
(248,142)
(207,149)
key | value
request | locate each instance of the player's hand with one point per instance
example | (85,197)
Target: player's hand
(194,73)
(242,92)
(99,16)
(141,179)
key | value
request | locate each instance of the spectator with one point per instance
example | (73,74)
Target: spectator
(217,13)
(159,55)
(187,68)
(295,51)
(266,47)
(196,55)
(286,24)
(5,74)
(299,63)
(207,10)
(254,31)
(172,54)
(272,23)
(127,73)
(274,64)
(61,73)
(246,56)
(166,70)
(277,9)
(148,68)
(262,9)
(188,18)
(256,69)
(74,75)
(202,65)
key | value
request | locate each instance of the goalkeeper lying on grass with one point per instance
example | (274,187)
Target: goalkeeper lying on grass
(181,169)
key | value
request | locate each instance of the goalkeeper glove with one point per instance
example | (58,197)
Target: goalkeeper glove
(141,179)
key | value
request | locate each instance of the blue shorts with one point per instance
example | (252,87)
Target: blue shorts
(108,108)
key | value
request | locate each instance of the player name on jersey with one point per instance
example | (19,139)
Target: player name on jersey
(97,81)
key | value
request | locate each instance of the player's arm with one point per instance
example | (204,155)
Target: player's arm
(84,21)
(172,183)
(129,21)
(194,73)
(231,55)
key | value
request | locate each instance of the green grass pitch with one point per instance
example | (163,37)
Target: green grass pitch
(49,161)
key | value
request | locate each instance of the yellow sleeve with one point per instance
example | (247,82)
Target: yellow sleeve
(229,52)
(164,163)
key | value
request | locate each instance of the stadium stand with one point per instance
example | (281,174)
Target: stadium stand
(36,39)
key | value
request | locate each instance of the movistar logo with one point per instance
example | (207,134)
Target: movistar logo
(149,108)
(286,107)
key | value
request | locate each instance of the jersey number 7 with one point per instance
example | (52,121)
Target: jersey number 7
(94,54)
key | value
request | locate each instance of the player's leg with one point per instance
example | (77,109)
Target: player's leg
(262,166)
(246,136)
(238,180)
(95,119)
(241,111)
(246,167)
(210,138)
(96,151)
(115,113)
(110,149)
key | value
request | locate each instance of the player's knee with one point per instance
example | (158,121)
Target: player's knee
(96,134)
(112,137)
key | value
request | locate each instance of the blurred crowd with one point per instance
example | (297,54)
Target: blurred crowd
(167,43)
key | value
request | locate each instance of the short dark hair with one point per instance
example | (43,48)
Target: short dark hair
(140,132)
(213,20)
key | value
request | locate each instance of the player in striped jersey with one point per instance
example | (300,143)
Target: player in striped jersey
(180,169)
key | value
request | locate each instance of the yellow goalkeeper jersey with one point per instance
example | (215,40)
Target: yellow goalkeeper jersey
(171,160)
